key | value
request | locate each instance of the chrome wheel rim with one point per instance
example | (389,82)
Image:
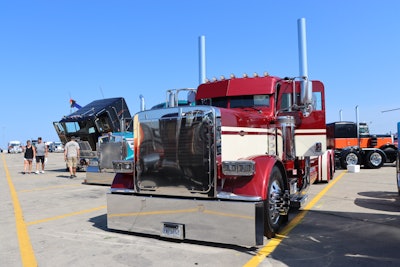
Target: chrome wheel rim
(351,159)
(375,159)
(275,194)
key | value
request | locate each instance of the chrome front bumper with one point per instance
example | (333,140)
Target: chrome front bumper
(93,176)
(229,222)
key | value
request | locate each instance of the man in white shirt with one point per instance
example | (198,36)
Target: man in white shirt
(71,156)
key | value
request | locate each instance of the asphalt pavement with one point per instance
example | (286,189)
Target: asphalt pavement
(51,220)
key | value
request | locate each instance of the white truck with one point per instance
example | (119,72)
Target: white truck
(14,147)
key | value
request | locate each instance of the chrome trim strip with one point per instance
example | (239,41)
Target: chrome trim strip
(122,190)
(232,196)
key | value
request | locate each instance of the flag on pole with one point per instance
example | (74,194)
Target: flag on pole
(74,104)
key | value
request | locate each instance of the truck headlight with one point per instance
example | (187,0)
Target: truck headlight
(238,168)
(123,166)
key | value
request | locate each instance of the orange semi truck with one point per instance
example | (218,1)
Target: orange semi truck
(359,147)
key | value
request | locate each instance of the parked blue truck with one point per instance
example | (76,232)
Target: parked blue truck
(88,123)
(110,147)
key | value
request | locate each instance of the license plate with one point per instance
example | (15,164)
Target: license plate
(173,230)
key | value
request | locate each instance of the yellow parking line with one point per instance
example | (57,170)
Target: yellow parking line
(27,255)
(274,242)
(47,187)
(65,215)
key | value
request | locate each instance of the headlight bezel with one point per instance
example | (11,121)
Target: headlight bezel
(238,168)
(123,166)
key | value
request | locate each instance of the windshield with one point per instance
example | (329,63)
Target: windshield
(238,101)
(72,127)
(249,101)
(81,127)
(363,129)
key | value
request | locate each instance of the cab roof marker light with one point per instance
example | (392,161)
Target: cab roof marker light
(255,74)
(266,74)
(245,75)
(222,77)
(233,76)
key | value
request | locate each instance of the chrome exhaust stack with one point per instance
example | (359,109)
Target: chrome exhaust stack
(306,86)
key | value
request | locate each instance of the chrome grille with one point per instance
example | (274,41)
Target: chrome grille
(176,151)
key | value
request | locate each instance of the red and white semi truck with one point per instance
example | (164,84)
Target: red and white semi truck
(228,169)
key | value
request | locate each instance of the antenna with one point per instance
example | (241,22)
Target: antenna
(101,91)
(388,110)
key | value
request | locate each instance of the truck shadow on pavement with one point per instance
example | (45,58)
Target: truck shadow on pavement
(379,200)
(100,222)
(342,239)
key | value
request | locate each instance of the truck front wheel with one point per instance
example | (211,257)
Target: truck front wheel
(273,204)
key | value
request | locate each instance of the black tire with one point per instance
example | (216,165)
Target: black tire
(273,218)
(331,171)
(350,157)
(375,159)
(398,183)
(390,153)
(398,171)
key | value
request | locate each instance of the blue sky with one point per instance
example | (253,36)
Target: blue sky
(51,51)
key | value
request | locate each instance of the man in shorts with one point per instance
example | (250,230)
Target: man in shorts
(41,154)
(71,156)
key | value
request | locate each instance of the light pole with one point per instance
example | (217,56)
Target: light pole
(3,141)
(358,127)
(340,114)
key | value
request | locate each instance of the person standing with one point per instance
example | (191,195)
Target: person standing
(71,156)
(41,154)
(29,154)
